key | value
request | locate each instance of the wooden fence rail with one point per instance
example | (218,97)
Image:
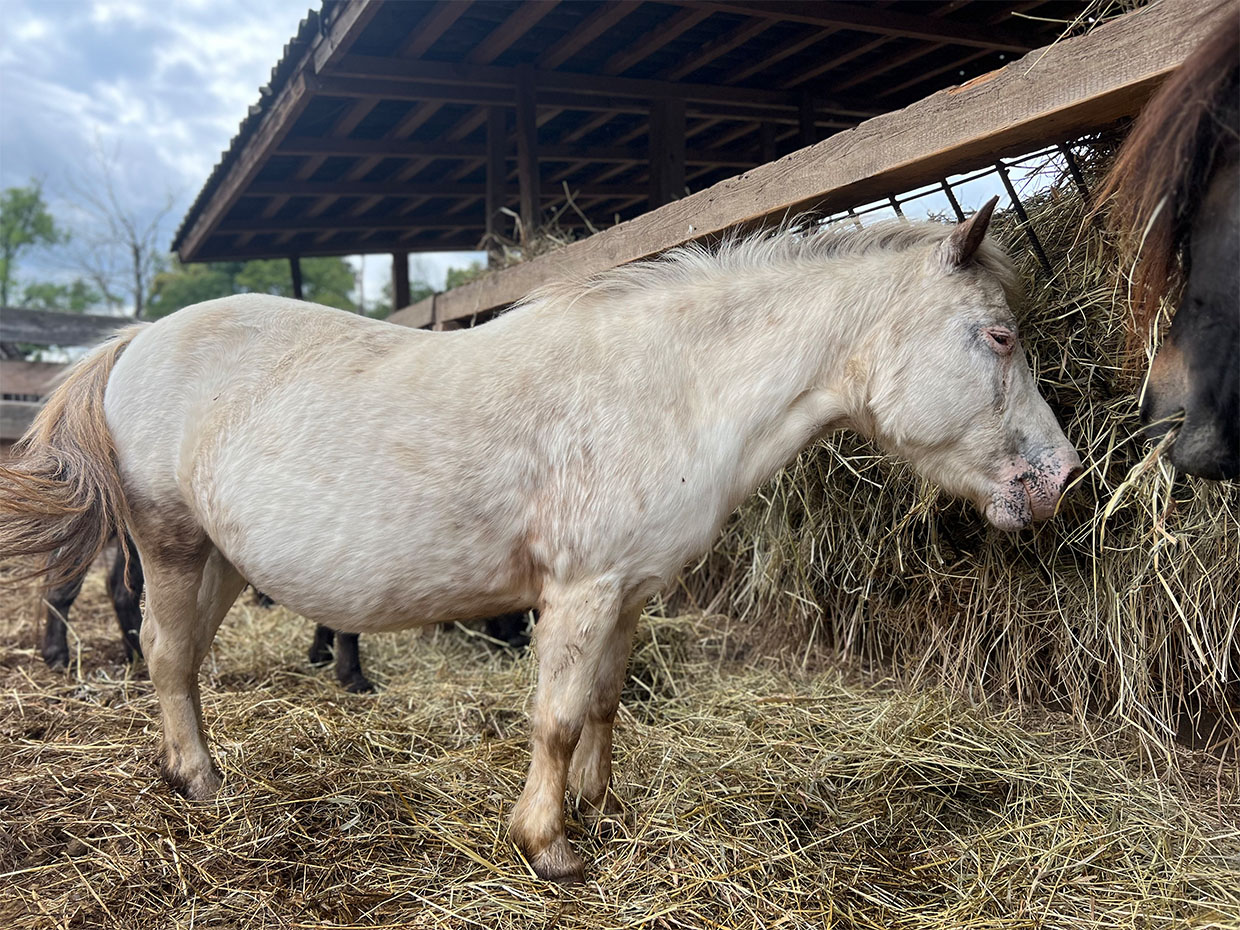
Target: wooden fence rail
(22,380)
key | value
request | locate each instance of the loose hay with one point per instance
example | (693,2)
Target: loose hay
(1125,605)
(755,797)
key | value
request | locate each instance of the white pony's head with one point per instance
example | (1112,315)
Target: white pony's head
(950,389)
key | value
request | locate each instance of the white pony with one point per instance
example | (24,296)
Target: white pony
(571,455)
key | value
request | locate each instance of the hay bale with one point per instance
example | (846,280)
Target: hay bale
(1125,605)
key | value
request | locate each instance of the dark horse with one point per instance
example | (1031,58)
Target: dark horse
(125,581)
(1175,188)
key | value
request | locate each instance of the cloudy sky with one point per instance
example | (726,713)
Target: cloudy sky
(159,87)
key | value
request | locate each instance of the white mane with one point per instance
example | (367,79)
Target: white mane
(787,245)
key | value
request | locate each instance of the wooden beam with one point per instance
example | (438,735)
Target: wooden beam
(294,269)
(34,378)
(15,418)
(527,153)
(1061,91)
(409,148)
(721,46)
(598,22)
(667,152)
(334,223)
(522,19)
(497,170)
(443,242)
(655,39)
(351,19)
(50,328)
(427,32)
(423,189)
(860,18)
(369,75)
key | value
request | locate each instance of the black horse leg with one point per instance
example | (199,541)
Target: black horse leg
(349,665)
(55,632)
(511,629)
(125,582)
(321,648)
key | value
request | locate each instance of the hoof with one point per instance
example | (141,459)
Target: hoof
(359,684)
(558,863)
(56,658)
(320,655)
(200,786)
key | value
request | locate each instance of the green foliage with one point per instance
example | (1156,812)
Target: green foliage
(78,297)
(458,276)
(24,224)
(324,280)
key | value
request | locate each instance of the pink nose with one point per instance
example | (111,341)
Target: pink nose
(1046,478)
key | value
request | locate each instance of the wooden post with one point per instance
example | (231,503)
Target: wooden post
(667,151)
(766,142)
(527,152)
(294,267)
(805,113)
(400,280)
(497,168)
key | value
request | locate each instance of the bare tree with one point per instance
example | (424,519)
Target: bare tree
(118,246)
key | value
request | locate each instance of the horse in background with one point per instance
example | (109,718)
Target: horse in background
(1175,201)
(125,581)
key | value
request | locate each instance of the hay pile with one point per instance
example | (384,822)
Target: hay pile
(755,798)
(1124,606)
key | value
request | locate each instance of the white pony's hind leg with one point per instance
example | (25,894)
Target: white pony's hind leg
(589,773)
(186,601)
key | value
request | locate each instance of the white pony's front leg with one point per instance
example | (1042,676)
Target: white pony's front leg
(575,638)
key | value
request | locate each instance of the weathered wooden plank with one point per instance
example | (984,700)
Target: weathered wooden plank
(37,378)
(15,417)
(49,328)
(1053,93)
(417,315)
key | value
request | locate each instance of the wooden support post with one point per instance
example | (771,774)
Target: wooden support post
(400,280)
(766,142)
(497,168)
(527,152)
(808,131)
(667,152)
(294,267)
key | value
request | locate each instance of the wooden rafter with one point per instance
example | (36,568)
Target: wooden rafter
(860,18)
(1073,86)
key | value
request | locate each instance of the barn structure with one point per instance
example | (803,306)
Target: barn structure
(394,128)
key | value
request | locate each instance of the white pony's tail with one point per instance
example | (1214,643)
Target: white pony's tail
(61,493)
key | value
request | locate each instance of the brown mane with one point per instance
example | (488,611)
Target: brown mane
(1164,167)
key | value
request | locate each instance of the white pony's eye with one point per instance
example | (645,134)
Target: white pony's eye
(1000,339)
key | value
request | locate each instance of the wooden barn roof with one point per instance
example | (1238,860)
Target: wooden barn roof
(375,132)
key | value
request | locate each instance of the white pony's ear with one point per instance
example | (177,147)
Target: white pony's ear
(958,248)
